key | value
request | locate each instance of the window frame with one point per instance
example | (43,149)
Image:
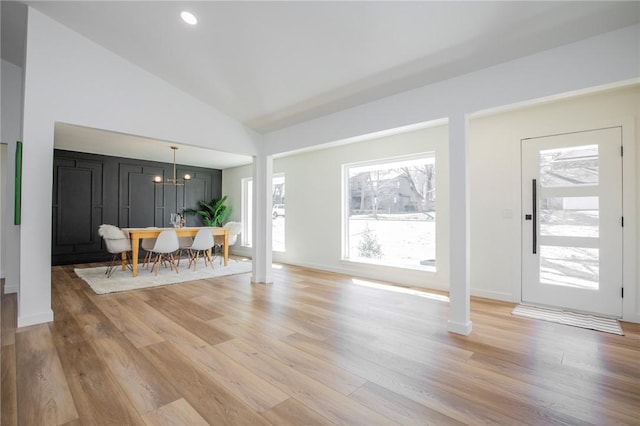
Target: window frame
(345,242)
(275,176)
(247,211)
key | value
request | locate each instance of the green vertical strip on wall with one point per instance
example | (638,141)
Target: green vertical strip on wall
(18,187)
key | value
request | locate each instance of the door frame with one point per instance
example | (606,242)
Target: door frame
(544,285)
(630,307)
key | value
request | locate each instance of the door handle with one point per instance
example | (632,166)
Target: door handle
(534,215)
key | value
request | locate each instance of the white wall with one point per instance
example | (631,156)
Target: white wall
(11,77)
(314,204)
(600,60)
(494,155)
(603,60)
(313,191)
(232,188)
(3,202)
(71,79)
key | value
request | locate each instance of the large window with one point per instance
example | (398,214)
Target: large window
(390,212)
(277,211)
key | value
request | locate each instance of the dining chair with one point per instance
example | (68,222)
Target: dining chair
(117,242)
(147,244)
(202,244)
(166,244)
(235,229)
(184,244)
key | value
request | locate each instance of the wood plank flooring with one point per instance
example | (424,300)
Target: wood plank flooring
(315,348)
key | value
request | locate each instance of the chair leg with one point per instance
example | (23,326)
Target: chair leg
(156,263)
(146,260)
(192,255)
(129,261)
(173,262)
(209,256)
(111,266)
(195,260)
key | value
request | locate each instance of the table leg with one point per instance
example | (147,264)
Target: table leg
(135,246)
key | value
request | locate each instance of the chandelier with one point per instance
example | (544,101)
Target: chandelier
(174,180)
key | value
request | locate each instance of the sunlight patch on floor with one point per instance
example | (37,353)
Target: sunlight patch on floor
(398,289)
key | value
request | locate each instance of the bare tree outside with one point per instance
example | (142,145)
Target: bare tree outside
(422,182)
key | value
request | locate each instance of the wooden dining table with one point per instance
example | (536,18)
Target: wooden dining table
(136,234)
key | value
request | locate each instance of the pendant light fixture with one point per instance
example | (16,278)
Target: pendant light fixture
(174,180)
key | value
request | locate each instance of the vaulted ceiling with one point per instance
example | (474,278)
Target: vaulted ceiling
(270,64)
(274,64)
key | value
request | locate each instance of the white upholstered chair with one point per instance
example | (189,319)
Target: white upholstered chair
(117,242)
(235,229)
(202,244)
(166,244)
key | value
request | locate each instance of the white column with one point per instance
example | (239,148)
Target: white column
(262,200)
(10,233)
(459,292)
(34,295)
(11,131)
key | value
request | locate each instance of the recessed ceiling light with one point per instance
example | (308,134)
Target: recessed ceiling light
(189,18)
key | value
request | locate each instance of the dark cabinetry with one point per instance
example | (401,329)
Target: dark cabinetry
(90,189)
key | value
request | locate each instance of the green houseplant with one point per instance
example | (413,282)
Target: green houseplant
(212,213)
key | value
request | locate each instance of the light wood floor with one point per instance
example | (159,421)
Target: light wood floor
(314,348)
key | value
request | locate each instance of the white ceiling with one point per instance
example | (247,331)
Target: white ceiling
(274,64)
(85,139)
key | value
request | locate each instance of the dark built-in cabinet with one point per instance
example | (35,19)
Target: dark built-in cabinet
(90,189)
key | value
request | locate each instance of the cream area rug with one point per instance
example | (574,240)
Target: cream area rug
(123,280)
(608,325)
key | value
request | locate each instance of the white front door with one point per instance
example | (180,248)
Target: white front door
(572,222)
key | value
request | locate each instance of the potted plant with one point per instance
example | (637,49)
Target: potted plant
(212,213)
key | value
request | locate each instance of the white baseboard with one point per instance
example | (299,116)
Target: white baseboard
(634,319)
(322,267)
(494,295)
(241,251)
(372,275)
(487,294)
(459,328)
(33,319)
